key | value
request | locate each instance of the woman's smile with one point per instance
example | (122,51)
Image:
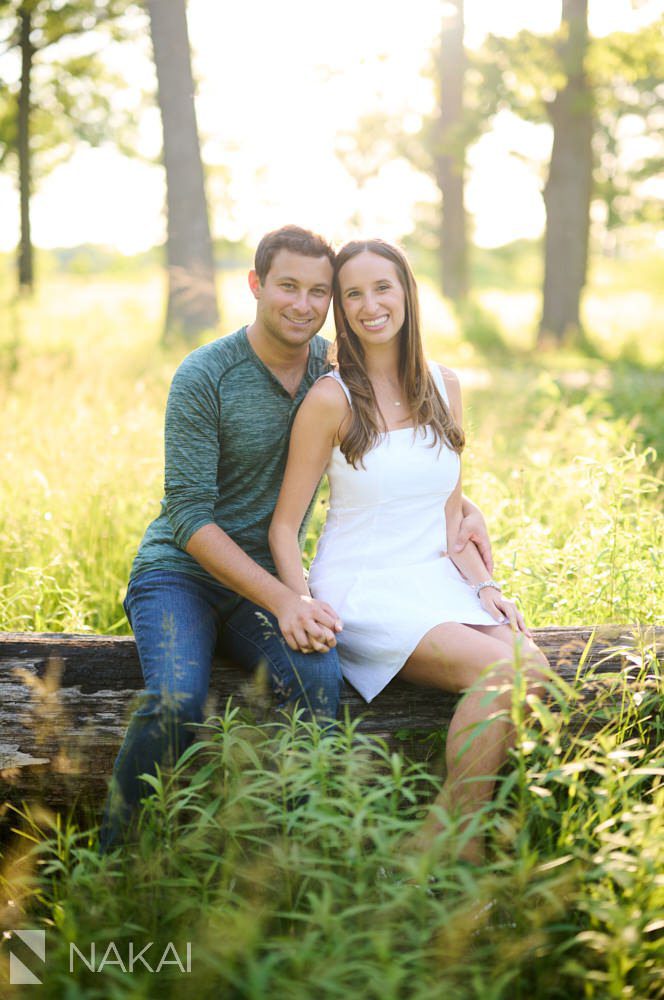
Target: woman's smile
(375,324)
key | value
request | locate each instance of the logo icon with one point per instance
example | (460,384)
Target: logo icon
(19,973)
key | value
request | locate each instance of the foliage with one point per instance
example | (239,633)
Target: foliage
(280,852)
(61,93)
(625,71)
(629,142)
(520,75)
(75,94)
(557,456)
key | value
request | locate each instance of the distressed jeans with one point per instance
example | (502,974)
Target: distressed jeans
(179,622)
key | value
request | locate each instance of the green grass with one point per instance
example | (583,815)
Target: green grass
(277,851)
(283,893)
(559,457)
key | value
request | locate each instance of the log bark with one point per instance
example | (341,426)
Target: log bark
(65,702)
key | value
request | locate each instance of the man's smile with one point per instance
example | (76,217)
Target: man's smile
(300,322)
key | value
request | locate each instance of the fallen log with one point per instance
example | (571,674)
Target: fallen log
(65,701)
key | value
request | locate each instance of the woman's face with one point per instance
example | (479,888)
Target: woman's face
(372,298)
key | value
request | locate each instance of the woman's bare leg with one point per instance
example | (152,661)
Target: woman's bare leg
(453,657)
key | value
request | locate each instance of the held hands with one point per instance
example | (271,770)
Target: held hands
(308,625)
(503,610)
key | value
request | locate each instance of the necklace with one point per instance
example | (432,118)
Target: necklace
(395,402)
(390,386)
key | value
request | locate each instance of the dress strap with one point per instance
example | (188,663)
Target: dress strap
(439,380)
(435,372)
(337,378)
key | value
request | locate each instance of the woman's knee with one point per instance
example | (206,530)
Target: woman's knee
(505,675)
(537,669)
(527,662)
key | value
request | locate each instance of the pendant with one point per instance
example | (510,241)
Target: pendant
(397,404)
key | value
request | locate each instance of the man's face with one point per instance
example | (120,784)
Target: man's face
(293,300)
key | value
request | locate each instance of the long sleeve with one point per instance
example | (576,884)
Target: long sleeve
(192,449)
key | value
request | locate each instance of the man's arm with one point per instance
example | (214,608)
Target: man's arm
(191,459)
(473,526)
(473,529)
(303,621)
(471,565)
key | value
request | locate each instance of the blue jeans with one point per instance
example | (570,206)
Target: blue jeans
(179,622)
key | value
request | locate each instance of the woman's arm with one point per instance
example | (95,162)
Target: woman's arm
(315,431)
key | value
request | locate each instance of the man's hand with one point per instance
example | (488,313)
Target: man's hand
(473,529)
(308,625)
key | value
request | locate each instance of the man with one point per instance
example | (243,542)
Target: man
(203,578)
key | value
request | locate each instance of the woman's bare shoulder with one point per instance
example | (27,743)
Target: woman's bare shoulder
(326,400)
(453,387)
(451,377)
(323,412)
(327,392)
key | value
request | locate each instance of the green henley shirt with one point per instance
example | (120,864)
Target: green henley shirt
(228,421)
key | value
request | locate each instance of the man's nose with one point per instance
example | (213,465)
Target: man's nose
(301,303)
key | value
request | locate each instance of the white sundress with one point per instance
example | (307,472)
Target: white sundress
(381,559)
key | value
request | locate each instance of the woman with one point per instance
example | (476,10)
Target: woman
(386,427)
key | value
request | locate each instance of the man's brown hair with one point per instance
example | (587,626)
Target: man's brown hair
(291,238)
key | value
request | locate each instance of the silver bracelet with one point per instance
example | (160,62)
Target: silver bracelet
(486,583)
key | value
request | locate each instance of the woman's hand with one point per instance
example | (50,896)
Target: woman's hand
(503,610)
(308,625)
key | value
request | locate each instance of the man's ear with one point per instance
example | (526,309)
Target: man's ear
(254,283)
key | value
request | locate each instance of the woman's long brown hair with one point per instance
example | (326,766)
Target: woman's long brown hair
(425,403)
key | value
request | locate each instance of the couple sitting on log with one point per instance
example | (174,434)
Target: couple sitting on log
(401,583)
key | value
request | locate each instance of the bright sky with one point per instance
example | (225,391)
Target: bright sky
(277,84)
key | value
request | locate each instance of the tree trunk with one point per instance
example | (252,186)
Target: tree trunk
(192,297)
(568,187)
(450,157)
(25,253)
